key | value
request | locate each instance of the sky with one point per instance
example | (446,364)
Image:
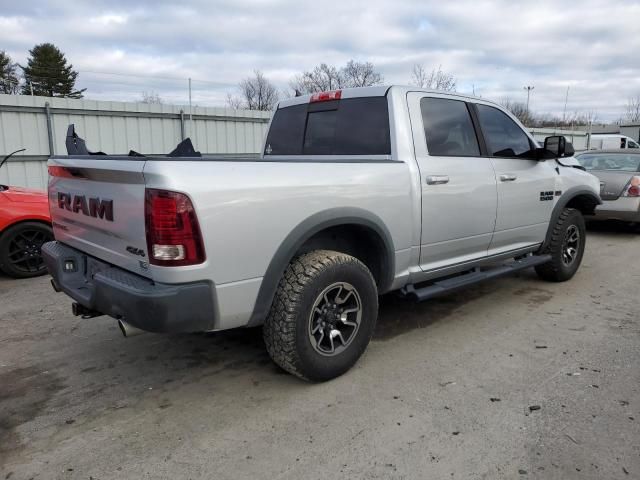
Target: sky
(493,48)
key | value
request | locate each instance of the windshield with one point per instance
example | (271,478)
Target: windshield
(624,162)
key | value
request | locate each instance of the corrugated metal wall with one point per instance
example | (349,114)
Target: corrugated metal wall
(577,138)
(116,127)
(631,131)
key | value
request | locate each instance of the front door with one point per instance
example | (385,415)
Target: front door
(458,185)
(526,186)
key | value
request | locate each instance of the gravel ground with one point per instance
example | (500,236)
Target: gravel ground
(515,378)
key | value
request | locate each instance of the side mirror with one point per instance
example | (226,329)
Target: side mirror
(558,146)
(555,145)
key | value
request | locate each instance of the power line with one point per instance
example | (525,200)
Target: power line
(182,79)
(135,75)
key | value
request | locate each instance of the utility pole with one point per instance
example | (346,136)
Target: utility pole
(528,88)
(190,111)
(591,119)
(566,99)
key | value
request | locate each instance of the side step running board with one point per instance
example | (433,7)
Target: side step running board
(460,281)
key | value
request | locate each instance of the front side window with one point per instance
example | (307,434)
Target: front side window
(632,144)
(503,136)
(448,128)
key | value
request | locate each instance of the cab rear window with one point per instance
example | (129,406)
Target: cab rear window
(352,126)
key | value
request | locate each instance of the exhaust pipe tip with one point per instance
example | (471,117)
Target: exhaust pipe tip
(129,330)
(81,311)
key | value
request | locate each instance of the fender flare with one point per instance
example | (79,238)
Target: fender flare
(301,233)
(562,202)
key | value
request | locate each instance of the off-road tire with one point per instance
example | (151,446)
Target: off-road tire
(33,266)
(286,328)
(557,270)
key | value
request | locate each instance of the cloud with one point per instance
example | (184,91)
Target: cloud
(494,48)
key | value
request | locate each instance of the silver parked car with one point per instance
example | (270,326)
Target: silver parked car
(619,174)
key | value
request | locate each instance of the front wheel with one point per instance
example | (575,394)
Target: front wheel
(323,315)
(566,247)
(20,245)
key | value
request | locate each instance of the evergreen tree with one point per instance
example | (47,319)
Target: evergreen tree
(48,73)
(8,75)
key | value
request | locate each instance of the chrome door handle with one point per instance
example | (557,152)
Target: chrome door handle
(437,179)
(508,177)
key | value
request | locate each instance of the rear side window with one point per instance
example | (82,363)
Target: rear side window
(286,131)
(503,136)
(352,126)
(448,128)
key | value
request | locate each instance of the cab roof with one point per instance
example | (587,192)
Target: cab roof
(378,91)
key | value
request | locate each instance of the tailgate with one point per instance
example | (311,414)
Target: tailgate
(97,206)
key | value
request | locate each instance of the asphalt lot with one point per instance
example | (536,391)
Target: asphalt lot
(443,391)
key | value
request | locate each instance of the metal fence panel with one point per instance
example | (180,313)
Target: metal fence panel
(116,127)
(577,137)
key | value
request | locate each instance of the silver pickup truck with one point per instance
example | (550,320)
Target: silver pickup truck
(358,192)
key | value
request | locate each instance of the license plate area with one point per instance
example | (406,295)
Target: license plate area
(94,267)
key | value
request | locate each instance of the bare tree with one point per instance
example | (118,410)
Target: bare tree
(436,79)
(256,93)
(360,74)
(633,109)
(322,78)
(151,97)
(325,77)
(9,82)
(234,102)
(519,110)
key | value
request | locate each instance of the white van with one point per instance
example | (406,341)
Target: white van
(608,141)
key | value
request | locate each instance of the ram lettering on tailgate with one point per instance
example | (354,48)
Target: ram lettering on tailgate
(94,207)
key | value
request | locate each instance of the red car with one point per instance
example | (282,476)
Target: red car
(25,225)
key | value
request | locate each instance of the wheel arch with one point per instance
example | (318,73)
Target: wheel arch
(19,221)
(579,198)
(321,231)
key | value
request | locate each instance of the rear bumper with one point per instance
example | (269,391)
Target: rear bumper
(147,305)
(624,208)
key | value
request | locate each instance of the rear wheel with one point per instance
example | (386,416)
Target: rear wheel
(20,247)
(323,315)
(566,247)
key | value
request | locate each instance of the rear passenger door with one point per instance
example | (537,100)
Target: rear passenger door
(458,185)
(526,186)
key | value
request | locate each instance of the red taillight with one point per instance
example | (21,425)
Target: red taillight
(173,233)
(633,188)
(326,96)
